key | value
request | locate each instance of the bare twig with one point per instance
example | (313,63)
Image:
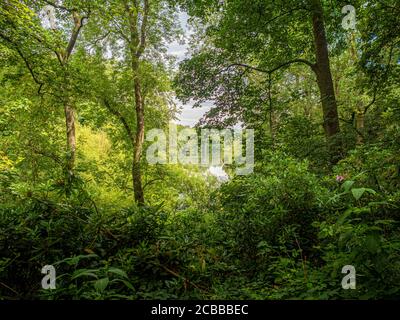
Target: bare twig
(6,286)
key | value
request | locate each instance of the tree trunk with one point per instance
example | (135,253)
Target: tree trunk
(66,89)
(137,45)
(71,138)
(139,137)
(324,80)
(360,110)
(360,126)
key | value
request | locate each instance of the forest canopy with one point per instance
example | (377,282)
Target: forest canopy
(290,175)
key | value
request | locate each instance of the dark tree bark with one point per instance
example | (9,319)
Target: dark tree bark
(324,80)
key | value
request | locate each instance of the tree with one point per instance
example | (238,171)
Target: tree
(136,25)
(267,37)
(137,44)
(23,33)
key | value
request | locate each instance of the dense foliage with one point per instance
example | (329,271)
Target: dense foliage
(325,191)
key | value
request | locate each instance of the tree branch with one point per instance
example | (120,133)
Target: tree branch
(283,14)
(285,64)
(142,44)
(57,6)
(78,23)
(45,153)
(132,18)
(102,38)
(28,65)
(152,181)
(371,103)
(350,122)
(121,118)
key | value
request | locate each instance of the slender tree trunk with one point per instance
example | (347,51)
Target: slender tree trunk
(360,121)
(69,111)
(139,136)
(324,80)
(271,111)
(360,111)
(69,114)
(137,45)
(71,138)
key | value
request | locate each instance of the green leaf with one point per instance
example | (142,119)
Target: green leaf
(347,185)
(75,260)
(372,243)
(84,272)
(119,272)
(125,282)
(357,192)
(101,284)
(129,285)
(370,190)
(385,222)
(344,216)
